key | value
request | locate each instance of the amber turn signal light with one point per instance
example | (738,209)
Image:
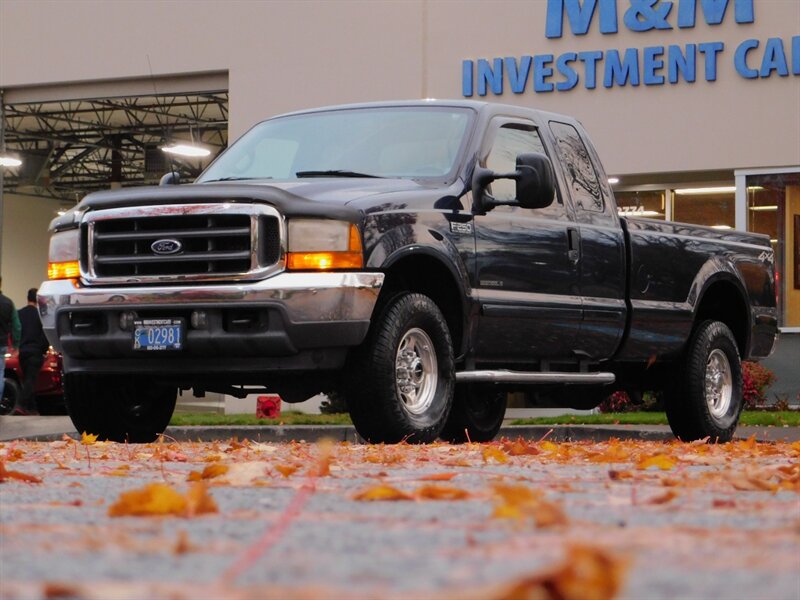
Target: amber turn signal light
(353,258)
(63,270)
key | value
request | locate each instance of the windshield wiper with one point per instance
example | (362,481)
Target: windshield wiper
(234,179)
(334,173)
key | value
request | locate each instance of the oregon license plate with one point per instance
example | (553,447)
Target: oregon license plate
(158,334)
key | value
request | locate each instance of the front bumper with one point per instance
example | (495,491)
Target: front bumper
(303,320)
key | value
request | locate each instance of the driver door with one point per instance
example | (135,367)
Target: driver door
(526,278)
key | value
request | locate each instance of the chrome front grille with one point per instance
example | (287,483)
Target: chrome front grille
(181,242)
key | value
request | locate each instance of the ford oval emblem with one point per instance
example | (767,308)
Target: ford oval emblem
(166,246)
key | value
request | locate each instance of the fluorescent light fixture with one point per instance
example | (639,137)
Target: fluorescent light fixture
(9,161)
(187,150)
(626,211)
(765,207)
(728,189)
(721,227)
(613,180)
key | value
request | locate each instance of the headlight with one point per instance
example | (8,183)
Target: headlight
(63,259)
(319,244)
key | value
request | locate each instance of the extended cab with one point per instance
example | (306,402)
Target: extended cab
(422,258)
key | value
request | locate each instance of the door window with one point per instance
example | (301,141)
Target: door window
(579,171)
(511,140)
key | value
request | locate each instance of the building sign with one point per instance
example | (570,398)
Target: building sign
(648,65)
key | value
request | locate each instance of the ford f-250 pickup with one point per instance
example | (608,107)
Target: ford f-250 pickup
(423,259)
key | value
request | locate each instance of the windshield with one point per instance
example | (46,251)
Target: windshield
(408,142)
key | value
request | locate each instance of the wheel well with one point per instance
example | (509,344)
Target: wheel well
(426,275)
(723,301)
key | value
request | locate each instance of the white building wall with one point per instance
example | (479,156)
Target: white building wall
(286,55)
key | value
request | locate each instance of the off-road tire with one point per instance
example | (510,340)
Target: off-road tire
(119,408)
(707,398)
(408,341)
(477,414)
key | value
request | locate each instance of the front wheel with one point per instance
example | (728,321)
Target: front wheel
(707,400)
(477,414)
(399,382)
(119,408)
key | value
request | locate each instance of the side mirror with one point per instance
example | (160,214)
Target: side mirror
(535,184)
(171,178)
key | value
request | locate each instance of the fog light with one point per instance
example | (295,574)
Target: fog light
(199,319)
(126,320)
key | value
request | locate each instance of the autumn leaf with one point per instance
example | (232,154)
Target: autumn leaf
(87,439)
(440,492)
(519,502)
(286,470)
(6,474)
(520,447)
(494,453)
(438,477)
(209,472)
(664,498)
(662,461)
(160,499)
(382,492)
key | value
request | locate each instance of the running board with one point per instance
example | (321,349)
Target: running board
(504,376)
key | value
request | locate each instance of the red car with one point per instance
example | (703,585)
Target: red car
(49,393)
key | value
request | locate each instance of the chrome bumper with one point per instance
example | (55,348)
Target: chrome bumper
(305,297)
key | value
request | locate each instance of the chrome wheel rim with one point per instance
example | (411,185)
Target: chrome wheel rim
(718,383)
(416,371)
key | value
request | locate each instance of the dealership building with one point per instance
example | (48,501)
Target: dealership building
(694,105)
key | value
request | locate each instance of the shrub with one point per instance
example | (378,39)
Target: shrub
(756,380)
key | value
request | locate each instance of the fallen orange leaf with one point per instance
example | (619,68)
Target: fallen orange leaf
(209,472)
(662,461)
(440,492)
(87,439)
(6,474)
(382,493)
(494,453)
(160,499)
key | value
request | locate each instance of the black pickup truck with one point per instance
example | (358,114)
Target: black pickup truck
(422,259)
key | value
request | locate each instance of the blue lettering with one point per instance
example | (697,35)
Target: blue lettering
(644,15)
(652,62)
(678,64)
(774,59)
(711,50)
(542,71)
(571,77)
(740,59)
(620,72)
(491,75)
(466,78)
(713,12)
(590,71)
(579,16)
(796,55)
(518,77)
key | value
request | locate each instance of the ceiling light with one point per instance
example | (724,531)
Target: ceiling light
(721,227)
(187,150)
(765,207)
(9,161)
(707,190)
(613,180)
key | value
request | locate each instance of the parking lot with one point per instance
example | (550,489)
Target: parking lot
(240,519)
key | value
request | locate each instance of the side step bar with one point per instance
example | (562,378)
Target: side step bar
(504,376)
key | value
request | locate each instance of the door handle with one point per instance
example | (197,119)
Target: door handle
(573,245)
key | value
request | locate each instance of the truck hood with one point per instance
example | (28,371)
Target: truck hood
(324,197)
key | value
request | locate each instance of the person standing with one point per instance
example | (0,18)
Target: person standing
(32,346)
(9,330)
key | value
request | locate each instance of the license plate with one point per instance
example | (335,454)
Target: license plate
(158,334)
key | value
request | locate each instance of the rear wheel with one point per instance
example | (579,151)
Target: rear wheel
(477,414)
(119,408)
(708,398)
(400,380)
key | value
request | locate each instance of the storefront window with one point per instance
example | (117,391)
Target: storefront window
(773,208)
(650,204)
(710,206)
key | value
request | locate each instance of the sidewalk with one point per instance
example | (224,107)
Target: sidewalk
(53,428)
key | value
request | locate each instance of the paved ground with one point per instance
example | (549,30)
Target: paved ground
(632,519)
